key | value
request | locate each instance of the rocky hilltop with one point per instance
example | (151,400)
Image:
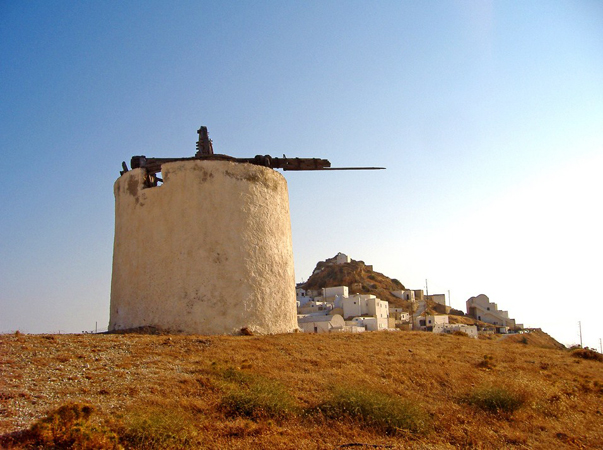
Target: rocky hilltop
(359,277)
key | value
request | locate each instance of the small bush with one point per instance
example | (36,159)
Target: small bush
(495,399)
(254,396)
(68,427)
(587,353)
(158,428)
(486,363)
(387,412)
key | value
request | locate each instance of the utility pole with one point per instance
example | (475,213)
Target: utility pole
(426,287)
(600,346)
(580,328)
(449,301)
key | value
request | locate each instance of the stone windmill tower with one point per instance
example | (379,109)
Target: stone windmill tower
(203,244)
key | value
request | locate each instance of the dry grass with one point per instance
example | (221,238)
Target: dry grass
(403,390)
(536,338)
(496,399)
(66,427)
(587,353)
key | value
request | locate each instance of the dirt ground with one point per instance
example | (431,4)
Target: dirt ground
(133,379)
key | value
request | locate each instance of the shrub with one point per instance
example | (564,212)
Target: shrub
(153,427)
(68,427)
(487,362)
(495,399)
(587,353)
(254,396)
(387,412)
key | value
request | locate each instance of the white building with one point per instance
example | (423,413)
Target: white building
(335,295)
(409,294)
(369,323)
(399,314)
(372,313)
(427,322)
(366,305)
(437,298)
(302,296)
(481,308)
(342,258)
(314,306)
(321,324)
(470,330)
(405,294)
(341,291)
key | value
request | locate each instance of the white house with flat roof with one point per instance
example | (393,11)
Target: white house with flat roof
(437,298)
(314,306)
(399,314)
(409,294)
(427,322)
(470,330)
(321,324)
(302,296)
(341,291)
(366,305)
(369,323)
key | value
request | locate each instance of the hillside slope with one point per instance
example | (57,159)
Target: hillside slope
(358,277)
(302,391)
(535,337)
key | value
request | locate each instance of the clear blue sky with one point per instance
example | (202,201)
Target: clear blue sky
(487,115)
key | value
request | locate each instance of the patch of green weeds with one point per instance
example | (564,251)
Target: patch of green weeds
(254,396)
(496,399)
(158,428)
(390,413)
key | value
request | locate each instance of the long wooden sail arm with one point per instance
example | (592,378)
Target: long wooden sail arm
(153,165)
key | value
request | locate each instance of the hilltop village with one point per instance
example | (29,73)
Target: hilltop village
(343,295)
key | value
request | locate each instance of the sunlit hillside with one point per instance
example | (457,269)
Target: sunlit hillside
(382,390)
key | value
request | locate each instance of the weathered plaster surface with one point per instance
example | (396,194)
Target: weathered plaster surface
(207,252)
